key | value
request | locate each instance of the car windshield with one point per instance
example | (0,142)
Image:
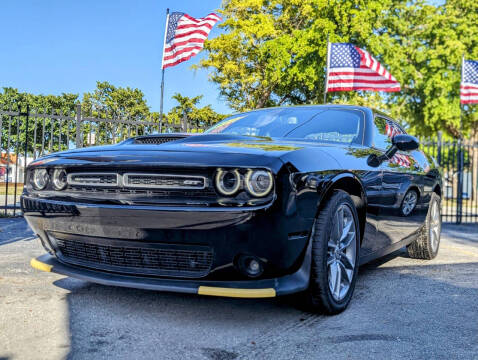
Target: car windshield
(329,125)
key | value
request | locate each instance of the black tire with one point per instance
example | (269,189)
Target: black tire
(402,211)
(424,247)
(318,297)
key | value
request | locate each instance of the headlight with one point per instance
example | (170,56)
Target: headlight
(228,182)
(40,179)
(259,182)
(59,179)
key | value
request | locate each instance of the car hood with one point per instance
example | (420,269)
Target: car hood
(202,150)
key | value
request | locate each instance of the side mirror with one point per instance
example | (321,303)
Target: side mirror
(405,142)
(402,142)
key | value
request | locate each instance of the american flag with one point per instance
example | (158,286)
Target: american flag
(185,37)
(391,130)
(401,160)
(352,68)
(469,82)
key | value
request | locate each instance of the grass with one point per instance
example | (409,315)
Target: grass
(11,188)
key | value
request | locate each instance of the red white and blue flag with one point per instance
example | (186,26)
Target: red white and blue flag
(351,68)
(469,82)
(185,36)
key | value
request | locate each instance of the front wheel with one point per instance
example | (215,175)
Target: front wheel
(335,254)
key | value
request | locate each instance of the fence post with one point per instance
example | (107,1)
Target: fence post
(459,197)
(26,145)
(439,148)
(79,139)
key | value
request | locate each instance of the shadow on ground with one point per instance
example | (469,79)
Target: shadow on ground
(14,229)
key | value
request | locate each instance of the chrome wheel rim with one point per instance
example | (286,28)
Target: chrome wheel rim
(409,202)
(435,226)
(341,252)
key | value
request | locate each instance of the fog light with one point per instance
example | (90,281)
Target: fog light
(249,265)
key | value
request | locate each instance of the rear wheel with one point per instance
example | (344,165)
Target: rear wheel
(335,253)
(409,202)
(428,241)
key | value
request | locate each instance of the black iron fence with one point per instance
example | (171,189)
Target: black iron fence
(26,134)
(458,161)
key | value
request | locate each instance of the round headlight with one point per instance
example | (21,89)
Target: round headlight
(59,179)
(228,182)
(259,182)
(40,179)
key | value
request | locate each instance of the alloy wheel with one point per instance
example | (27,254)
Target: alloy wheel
(341,252)
(409,202)
(435,225)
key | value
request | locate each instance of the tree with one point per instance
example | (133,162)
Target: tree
(13,130)
(187,109)
(117,103)
(273,52)
(427,48)
(110,101)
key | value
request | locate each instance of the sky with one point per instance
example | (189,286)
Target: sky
(65,46)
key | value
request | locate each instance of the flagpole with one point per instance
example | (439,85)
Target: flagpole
(461,82)
(162,73)
(459,197)
(327,71)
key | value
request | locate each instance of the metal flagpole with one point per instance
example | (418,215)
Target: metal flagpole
(162,74)
(459,198)
(461,106)
(327,71)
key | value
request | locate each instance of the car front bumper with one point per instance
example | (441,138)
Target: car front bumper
(289,284)
(278,239)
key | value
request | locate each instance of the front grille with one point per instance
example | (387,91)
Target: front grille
(156,140)
(29,205)
(200,193)
(93,179)
(160,260)
(160,181)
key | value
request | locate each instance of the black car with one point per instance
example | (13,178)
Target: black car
(266,203)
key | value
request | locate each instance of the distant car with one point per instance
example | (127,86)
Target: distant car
(268,202)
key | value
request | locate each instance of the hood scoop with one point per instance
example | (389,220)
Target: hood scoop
(158,139)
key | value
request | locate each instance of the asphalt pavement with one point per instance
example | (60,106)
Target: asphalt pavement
(402,309)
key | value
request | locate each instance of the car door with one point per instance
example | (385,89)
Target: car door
(402,179)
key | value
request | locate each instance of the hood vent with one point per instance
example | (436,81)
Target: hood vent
(158,139)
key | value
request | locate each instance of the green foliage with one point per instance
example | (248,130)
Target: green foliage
(425,44)
(187,109)
(273,52)
(105,102)
(109,101)
(13,130)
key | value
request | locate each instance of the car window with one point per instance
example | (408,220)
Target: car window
(384,131)
(268,122)
(336,126)
(329,125)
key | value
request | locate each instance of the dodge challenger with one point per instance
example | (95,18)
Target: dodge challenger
(271,202)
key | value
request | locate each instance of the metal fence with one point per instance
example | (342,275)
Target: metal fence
(458,161)
(26,134)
